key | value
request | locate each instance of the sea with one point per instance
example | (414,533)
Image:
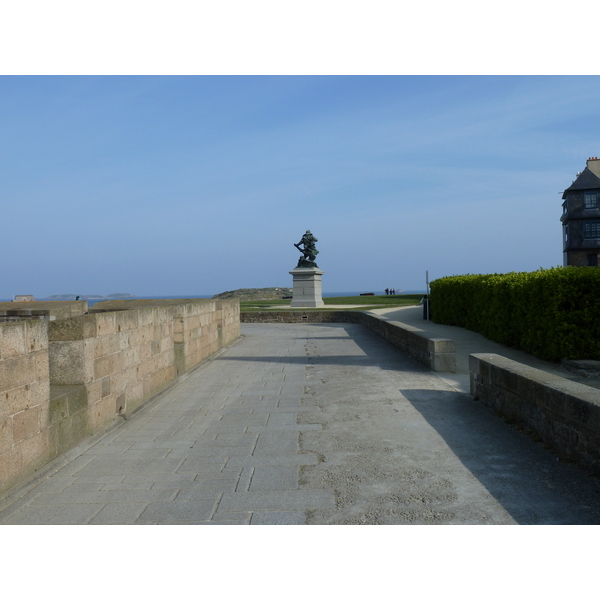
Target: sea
(325,295)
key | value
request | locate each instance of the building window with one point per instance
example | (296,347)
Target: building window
(591,229)
(590,199)
(592,260)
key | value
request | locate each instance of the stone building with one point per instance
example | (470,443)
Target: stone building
(581,218)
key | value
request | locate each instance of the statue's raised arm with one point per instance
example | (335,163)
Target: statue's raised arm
(309,251)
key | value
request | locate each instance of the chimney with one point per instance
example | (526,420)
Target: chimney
(593,164)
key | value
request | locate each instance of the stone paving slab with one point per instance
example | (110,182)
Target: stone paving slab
(276,442)
(71,496)
(248,420)
(129,466)
(245,479)
(181,478)
(184,484)
(278,500)
(114,450)
(178,513)
(274,478)
(206,489)
(299,428)
(74,466)
(119,514)
(201,429)
(164,444)
(63,514)
(231,518)
(274,460)
(228,440)
(275,517)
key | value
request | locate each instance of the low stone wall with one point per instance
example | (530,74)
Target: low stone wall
(562,413)
(65,379)
(299,316)
(438,354)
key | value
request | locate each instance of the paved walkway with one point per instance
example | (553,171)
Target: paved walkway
(316,424)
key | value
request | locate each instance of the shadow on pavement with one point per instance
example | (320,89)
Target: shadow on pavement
(525,478)
(375,351)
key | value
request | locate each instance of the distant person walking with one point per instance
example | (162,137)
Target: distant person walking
(387,291)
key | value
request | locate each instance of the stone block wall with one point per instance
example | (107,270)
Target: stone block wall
(201,327)
(24,395)
(121,358)
(230,320)
(63,380)
(198,332)
(563,414)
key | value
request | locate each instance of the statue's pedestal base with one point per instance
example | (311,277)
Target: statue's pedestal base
(307,288)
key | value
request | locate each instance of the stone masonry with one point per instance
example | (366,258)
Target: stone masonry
(63,380)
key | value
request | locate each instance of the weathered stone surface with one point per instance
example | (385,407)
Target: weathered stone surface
(307,288)
(67,363)
(13,339)
(564,414)
(37,336)
(18,371)
(76,328)
(6,434)
(26,424)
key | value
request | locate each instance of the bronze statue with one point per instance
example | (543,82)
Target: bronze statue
(309,251)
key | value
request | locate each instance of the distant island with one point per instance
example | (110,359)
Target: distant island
(272,293)
(90,297)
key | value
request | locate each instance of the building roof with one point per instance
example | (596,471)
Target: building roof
(586,181)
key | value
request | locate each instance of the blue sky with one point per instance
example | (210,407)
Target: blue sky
(184,185)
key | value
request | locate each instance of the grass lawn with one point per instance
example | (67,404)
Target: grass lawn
(331,303)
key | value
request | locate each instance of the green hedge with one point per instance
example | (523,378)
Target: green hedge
(552,313)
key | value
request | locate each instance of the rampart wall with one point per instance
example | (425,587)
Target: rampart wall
(62,380)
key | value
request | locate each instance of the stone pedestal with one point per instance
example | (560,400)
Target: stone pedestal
(307,288)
